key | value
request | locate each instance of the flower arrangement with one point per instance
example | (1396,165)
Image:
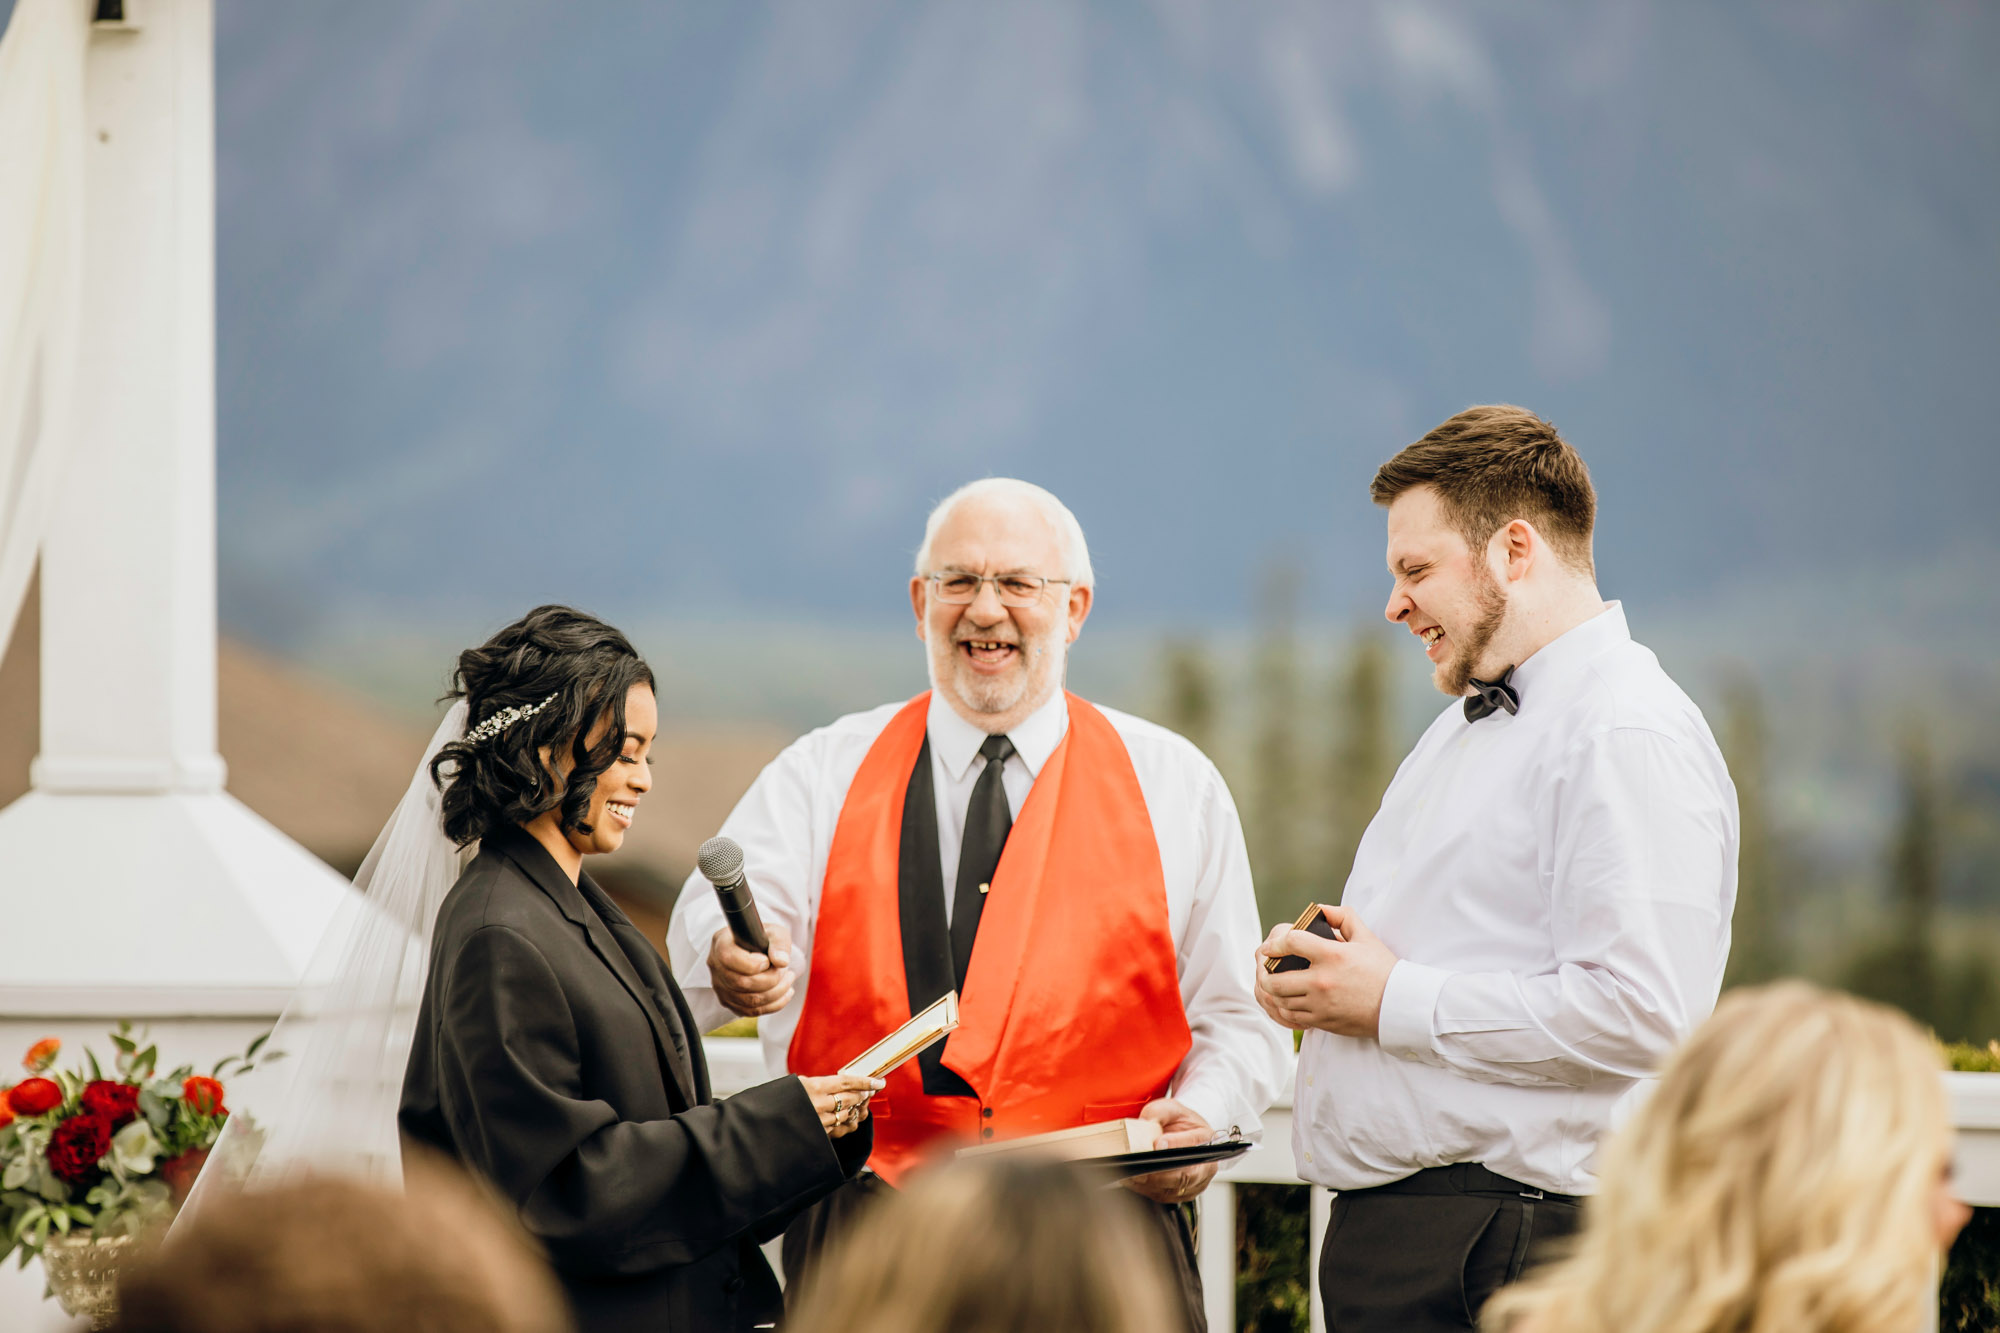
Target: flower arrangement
(106,1156)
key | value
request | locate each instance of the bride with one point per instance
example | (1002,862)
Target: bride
(533,1033)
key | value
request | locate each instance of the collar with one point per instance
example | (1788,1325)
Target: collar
(580,902)
(1572,651)
(956,742)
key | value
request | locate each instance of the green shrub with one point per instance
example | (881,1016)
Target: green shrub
(1273,1289)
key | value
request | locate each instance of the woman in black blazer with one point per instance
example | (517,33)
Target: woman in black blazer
(553,1052)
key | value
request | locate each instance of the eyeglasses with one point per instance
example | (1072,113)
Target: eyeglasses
(957,589)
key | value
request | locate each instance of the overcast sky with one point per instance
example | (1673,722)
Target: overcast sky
(692,310)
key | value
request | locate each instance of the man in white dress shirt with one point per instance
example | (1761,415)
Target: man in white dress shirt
(1537,915)
(1076,873)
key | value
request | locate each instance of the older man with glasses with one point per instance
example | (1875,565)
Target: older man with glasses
(1077,874)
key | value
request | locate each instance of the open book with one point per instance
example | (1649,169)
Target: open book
(932,1025)
(1109,1138)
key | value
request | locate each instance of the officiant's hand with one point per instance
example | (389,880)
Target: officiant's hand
(842,1101)
(752,984)
(1340,989)
(1179,1128)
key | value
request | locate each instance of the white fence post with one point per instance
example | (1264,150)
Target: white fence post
(1216,1256)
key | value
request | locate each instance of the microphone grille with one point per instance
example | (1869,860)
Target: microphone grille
(721,861)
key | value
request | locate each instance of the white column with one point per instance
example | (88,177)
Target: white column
(1215,1255)
(128,566)
(133,886)
(1319,1211)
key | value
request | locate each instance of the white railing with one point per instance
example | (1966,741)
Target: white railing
(736,1063)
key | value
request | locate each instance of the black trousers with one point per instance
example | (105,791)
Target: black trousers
(821,1226)
(1425,1252)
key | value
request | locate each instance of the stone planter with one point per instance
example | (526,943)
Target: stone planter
(83,1272)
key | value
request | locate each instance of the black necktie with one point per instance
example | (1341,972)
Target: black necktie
(987,822)
(1492,696)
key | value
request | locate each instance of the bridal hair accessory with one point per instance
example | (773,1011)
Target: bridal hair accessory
(504,719)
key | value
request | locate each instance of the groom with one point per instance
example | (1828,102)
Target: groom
(1536,916)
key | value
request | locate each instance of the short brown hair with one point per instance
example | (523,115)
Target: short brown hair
(1493,464)
(328,1255)
(1008,1245)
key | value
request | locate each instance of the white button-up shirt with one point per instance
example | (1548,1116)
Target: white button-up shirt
(785,823)
(1557,885)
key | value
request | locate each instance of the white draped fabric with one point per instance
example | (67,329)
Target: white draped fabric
(324,1099)
(42,142)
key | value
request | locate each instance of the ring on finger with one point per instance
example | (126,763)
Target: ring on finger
(839,1106)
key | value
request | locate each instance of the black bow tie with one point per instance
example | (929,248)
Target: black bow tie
(1492,696)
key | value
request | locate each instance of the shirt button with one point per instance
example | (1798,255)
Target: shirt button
(986,1133)
(1309,1157)
(986,1111)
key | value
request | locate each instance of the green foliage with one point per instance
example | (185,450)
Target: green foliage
(1957,993)
(1274,825)
(1966,1058)
(1190,706)
(1364,750)
(1969,1296)
(1273,1282)
(1760,949)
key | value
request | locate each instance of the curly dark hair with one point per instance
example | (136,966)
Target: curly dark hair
(588,667)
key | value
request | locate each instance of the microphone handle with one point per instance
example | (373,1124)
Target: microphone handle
(744,923)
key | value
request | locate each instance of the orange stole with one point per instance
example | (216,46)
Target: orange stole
(1071,1011)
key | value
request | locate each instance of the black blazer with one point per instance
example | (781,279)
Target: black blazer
(555,1055)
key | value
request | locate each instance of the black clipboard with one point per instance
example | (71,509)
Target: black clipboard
(1167,1159)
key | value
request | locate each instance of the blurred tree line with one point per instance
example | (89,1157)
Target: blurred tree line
(1322,746)
(1311,745)
(1900,955)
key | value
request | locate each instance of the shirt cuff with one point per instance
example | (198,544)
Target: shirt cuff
(1213,1105)
(1409,1003)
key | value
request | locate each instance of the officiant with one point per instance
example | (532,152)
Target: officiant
(1076,873)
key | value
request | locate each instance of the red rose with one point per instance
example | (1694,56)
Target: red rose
(179,1172)
(76,1145)
(34,1096)
(116,1102)
(41,1055)
(203,1095)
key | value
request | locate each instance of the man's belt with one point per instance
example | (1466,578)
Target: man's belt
(1465,1178)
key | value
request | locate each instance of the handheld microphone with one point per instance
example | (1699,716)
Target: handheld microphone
(721,862)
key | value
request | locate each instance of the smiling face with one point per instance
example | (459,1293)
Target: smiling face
(1445,592)
(620,787)
(995,664)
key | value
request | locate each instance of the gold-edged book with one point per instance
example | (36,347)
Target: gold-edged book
(932,1025)
(1107,1138)
(1313,921)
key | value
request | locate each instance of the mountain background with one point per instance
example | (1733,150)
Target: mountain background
(687,313)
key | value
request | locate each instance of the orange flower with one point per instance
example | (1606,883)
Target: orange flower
(41,1055)
(6,1111)
(203,1095)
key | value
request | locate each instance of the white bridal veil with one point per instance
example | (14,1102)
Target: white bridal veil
(323,1098)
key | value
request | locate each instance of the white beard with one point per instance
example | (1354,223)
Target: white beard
(1041,673)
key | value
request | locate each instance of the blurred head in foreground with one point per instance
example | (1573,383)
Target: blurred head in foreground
(1006,1246)
(1790,1172)
(333,1256)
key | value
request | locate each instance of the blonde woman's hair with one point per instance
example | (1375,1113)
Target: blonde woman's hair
(995,1247)
(1780,1179)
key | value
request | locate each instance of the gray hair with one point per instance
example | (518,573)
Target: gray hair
(1076,552)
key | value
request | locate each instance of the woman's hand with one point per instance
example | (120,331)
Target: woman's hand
(842,1100)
